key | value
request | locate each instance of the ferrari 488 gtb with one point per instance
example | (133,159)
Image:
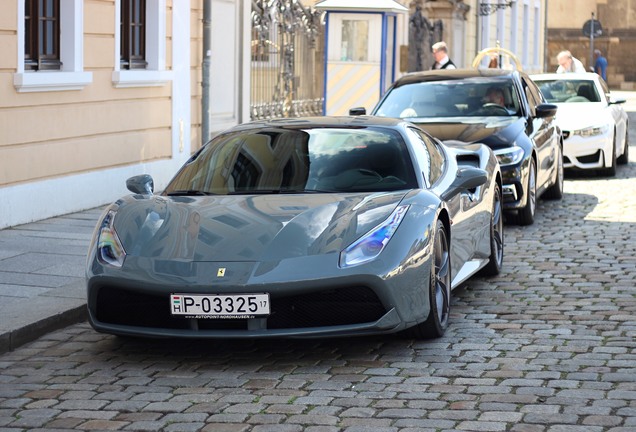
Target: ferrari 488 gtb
(305,227)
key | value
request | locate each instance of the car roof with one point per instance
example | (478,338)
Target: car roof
(565,76)
(454,74)
(323,121)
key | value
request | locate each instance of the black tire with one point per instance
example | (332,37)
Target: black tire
(610,171)
(439,289)
(525,215)
(624,158)
(495,261)
(555,192)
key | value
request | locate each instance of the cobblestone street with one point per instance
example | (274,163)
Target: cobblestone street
(549,345)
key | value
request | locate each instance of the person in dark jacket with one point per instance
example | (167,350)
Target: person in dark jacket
(440,52)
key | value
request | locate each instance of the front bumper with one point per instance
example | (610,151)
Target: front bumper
(352,304)
(515,180)
(587,152)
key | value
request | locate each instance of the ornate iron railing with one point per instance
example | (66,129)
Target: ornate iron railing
(287,60)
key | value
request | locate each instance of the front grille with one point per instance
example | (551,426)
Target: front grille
(346,305)
(590,158)
(342,306)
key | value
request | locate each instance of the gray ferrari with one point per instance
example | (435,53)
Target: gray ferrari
(303,227)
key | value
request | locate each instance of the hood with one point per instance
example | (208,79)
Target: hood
(574,116)
(495,132)
(247,227)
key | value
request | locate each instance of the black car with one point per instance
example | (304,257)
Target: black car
(454,105)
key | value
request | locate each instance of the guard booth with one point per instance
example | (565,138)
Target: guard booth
(360,52)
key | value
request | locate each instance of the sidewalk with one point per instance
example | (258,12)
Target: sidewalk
(42,284)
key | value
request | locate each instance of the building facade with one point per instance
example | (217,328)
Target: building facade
(95,91)
(617,40)
(469,26)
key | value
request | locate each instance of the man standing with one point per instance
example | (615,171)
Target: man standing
(600,64)
(440,53)
(568,63)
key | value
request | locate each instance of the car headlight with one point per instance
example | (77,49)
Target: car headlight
(370,245)
(109,248)
(509,156)
(592,131)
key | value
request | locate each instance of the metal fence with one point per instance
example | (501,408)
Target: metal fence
(287,60)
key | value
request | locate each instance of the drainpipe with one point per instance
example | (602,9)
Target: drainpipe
(478,32)
(205,79)
(546,54)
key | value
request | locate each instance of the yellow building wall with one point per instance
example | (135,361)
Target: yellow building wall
(572,13)
(50,134)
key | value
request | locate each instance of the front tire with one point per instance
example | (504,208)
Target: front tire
(525,215)
(610,171)
(555,192)
(495,261)
(624,158)
(439,289)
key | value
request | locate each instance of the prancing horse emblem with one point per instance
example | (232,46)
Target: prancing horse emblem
(220,272)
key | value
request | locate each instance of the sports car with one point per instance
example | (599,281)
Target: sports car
(594,124)
(304,227)
(518,125)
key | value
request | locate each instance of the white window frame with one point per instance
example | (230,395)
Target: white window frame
(155,74)
(514,27)
(501,25)
(374,40)
(525,54)
(72,75)
(485,37)
(537,35)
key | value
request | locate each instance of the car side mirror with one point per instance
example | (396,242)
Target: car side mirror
(612,100)
(467,178)
(357,111)
(142,184)
(545,110)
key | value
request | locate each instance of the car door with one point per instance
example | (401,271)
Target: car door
(543,132)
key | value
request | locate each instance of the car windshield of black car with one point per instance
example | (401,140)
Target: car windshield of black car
(450,99)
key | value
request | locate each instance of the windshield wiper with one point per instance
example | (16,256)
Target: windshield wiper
(301,191)
(189,192)
(277,191)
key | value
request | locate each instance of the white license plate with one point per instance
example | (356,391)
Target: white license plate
(219,306)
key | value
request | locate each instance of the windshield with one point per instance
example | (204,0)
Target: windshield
(456,98)
(568,91)
(276,160)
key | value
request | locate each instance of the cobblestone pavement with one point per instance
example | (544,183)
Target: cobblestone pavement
(549,345)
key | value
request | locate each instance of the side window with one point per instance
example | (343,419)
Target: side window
(533,101)
(436,157)
(133,34)
(536,94)
(430,157)
(42,35)
(421,155)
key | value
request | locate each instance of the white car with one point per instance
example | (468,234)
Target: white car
(594,124)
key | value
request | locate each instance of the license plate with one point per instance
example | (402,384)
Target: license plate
(219,306)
